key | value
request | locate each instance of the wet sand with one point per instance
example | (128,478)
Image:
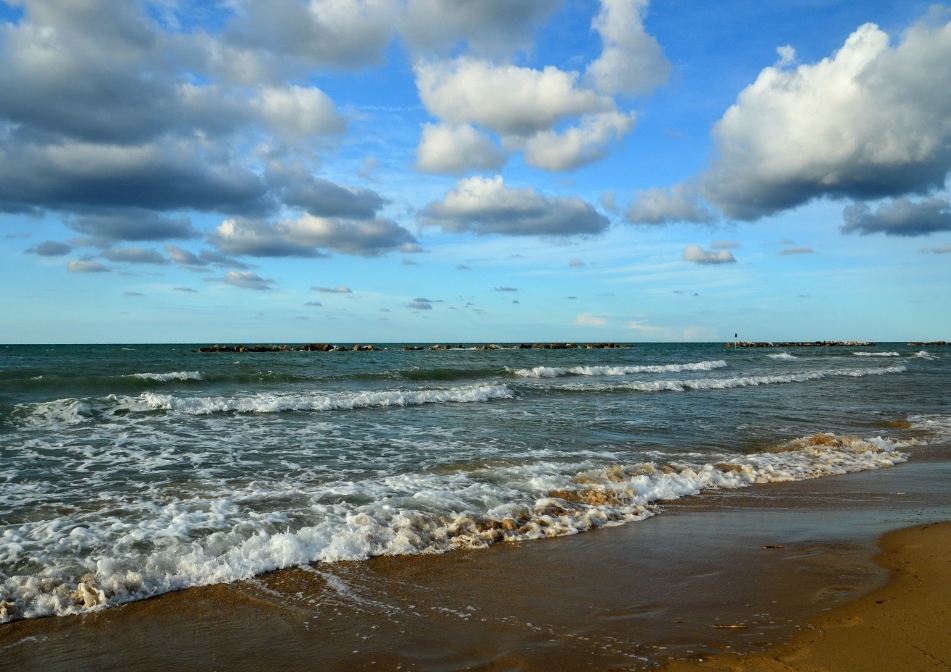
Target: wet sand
(904,626)
(630,597)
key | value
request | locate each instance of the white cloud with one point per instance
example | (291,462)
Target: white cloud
(589,320)
(698,255)
(665,206)
(796,250)
(580,145)
(488,26)
(134,255)
(631,61)
(576,262)
(282,34)
(868,122)
(295,112)
(307,236)
(76,266)
(485,205)
(507,99)
(247,280)
(900,217)
(456,149)
(341,289)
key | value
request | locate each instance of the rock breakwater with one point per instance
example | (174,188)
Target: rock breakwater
(799,344)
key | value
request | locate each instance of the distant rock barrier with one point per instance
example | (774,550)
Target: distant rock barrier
(920,343)
(327,347)
(800,344)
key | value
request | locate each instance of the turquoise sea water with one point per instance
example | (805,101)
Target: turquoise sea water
(128,471)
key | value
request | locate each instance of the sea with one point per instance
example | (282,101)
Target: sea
(128,471)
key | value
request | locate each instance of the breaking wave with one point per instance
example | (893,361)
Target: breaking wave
(221,536)
(555,372)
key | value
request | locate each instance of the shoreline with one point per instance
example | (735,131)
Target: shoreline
(901,626)
(623,598)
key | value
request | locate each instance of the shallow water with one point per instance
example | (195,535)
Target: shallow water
(135,470)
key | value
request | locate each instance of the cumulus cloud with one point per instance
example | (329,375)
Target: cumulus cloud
(108,111)
(900,217)
(277,34)
(507,99)
(297,187)
(589,320)
(488,26)
(559,119)
(308,236)
(456,149)
(698,255)
(485,205)
(580,145)
(796,250)
(51,248)
(134,255)
(340,289)
(247,280)
(81,266)
(133,226)
(868,122)
(631,61)
(679,203)
(67,175)
(204,258)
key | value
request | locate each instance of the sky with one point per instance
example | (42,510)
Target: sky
(474,170)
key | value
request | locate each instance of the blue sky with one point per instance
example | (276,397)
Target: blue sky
(184,171)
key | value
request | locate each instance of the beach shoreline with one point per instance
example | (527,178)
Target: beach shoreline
(625,598)
(902,626)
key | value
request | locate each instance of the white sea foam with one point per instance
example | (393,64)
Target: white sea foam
(783,356)
(876,354)
(939,425)
(275,402)
(732,382)
(93,560)
(165,377)
(924,354)
(556,372)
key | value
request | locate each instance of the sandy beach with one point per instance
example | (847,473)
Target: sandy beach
(904,626)
(774,559)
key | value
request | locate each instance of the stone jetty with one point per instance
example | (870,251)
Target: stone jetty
(327,347)
(920,343)
(800,344)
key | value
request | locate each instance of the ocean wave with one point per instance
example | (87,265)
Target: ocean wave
(939,425)
(61,412)
(924,354)
(223,536)
(556,372)
(783,356)
(729,383)
(166,377)
(876,354)
(272,402)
